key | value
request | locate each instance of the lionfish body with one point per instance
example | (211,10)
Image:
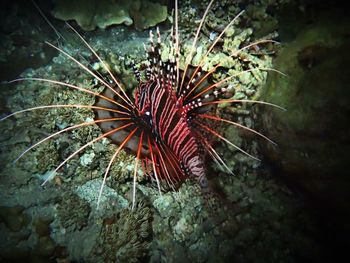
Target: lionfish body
(165,123)
(159,114)
(163,113)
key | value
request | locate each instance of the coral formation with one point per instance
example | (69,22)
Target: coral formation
(110,199)
(125,237)
(73,212)
(92,13)
(147,14)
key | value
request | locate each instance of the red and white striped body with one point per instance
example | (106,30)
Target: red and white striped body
(162,112)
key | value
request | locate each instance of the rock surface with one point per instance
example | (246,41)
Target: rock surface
(313,134)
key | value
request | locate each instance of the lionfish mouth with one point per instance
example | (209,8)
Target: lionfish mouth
(165,123)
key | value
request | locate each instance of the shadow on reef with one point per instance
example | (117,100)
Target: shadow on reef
(23,37)
(313,134)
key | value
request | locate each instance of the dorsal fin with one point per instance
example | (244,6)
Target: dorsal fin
(165,71)
(136,71)
(154,56)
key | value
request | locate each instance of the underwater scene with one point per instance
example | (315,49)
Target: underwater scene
(174,131)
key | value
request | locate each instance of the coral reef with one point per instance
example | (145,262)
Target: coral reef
(247,217)
(110,198)
(92,13)
(125,237)
(147,14)
(73,212)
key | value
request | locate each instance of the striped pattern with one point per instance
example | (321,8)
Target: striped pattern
(169,109)
(165,125)
(159,107)
(166,115)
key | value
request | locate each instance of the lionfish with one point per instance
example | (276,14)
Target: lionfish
(164,123)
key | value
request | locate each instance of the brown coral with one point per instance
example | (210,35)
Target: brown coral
(125,237)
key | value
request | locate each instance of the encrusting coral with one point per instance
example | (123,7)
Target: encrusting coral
(90,14)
